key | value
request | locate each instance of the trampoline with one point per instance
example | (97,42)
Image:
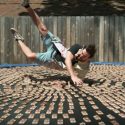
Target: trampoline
(38,95)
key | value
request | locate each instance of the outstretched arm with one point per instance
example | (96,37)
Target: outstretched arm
(68,62)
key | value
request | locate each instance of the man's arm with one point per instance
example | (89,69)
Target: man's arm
(68,62)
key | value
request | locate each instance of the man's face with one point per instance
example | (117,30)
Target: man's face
(82,55)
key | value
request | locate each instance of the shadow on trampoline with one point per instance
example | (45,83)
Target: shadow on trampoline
(89,7)
(91,82)
(67,79)
(51,78)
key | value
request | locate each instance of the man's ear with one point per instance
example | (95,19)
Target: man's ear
(79,51)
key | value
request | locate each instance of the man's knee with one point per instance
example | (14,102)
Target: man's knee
(43,30)
(31,55)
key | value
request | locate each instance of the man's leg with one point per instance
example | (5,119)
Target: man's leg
(36,19)
(43,57)
(26,50)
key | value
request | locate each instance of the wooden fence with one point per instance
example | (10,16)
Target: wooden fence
(107,33)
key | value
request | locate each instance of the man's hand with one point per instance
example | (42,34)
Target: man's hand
(68,61)
(77,81)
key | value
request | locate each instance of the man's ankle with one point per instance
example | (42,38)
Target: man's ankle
(25,3)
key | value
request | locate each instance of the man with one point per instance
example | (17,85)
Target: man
(55,50)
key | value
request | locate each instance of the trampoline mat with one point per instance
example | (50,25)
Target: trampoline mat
(44,96)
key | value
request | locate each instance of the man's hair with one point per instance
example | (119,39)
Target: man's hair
(91,49)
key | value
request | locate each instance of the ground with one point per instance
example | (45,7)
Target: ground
(40,95)
(64,7)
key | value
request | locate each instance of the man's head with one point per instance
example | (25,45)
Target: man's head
(86,53)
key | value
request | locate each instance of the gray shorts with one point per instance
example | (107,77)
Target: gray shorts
(51,49)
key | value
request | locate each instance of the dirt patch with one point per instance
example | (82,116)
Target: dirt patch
(64,7)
